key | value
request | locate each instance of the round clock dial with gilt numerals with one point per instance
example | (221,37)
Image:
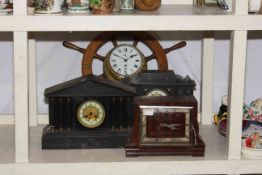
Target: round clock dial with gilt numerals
(124,61)
(91,114)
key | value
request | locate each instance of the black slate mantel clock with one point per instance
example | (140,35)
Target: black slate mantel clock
(161,83)
(88,112)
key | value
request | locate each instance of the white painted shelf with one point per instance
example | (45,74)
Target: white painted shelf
(215,143)
(80,160)
(215,149)
(166,18)
(20,151)
(114,160)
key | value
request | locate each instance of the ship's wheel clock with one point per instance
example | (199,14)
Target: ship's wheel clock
(124,60)
(88,112)
(165,125)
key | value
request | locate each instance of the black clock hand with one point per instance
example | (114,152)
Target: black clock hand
(86,117)
(133,55)
(119,56)
(126,59)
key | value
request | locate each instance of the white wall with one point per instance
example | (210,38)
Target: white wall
(6,69)
(56,64)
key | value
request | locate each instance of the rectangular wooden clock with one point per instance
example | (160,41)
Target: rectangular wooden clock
(165,126)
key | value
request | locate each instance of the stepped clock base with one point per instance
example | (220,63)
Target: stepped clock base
(68,139)
(146,150)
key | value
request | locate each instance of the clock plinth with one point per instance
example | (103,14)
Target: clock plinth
(75,139)
(165,126)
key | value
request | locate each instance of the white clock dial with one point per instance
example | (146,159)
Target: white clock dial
(91,114)
(126,60)
(157,92)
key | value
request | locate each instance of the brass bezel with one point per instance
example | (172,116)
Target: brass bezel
(109,71)
(97,124)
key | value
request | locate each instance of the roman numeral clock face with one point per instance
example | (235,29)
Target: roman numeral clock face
(125,61)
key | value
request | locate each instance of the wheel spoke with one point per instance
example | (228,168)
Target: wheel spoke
(99,57)
(114,42)
(150,57)
(135,43)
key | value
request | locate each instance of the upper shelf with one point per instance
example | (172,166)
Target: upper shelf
(166,18)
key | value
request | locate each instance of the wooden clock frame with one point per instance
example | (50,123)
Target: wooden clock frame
(180,135)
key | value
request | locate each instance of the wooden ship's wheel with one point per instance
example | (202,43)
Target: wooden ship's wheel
(123,60)
(147,4)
